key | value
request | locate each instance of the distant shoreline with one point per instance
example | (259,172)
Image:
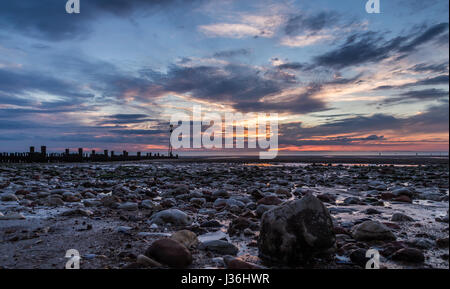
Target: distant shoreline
(405,160)
(324,160)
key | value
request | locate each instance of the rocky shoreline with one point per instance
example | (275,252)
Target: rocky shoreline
(192,214)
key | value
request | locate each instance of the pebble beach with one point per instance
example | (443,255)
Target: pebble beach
(223,214)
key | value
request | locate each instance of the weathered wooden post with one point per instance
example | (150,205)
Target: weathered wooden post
(170,153)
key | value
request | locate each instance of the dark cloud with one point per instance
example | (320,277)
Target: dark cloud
(433,68)
(294,134)
(126,119)
(17,125)
(241,86)
(338,79)
(437,80)
(424,37)
(294,66)
(359,124)
(232,53)
(442,40)
(434,120)
(419,5)
(310,23)
(125,7)
(73,133)
(139,132)
(12,82)
(17,86)
(127,116)
(340,141)
(298,103)
(13,100)
(46,109)
(331,116)
(359,49)
(372,47)
(419,95)
(93,139)
(42,109)
(48,18)
(441,79)
(106,78)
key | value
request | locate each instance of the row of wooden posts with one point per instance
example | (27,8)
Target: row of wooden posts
(44,157)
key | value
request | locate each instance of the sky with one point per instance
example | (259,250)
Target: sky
(110,77)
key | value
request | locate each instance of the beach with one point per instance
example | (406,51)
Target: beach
(223,212)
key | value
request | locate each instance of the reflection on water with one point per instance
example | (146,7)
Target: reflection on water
(212,236)
(262,165)
(326,165)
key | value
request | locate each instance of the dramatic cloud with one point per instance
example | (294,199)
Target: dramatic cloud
(311,23)
(18,85)
(424,37)
(434,120)
(433,68)
(313,28)
(293,66)
(48,19)
(419,5)
(232,53)
(243,87)
(139,132)
(372,79)
(421,95)
(126,119)
(335,141)
(438,80)
(372,47)
(441,79)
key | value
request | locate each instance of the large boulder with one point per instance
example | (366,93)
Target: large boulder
(296,231)
(170,252)
(371,231)
(185,237)
(12,216)
(238,225)
(399,217)
(410,255)
(171,216)
(270,201)
(220,247)
(228,203)
(128,206)
(403,191)
(237,264)
(261,209)
(8,198)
